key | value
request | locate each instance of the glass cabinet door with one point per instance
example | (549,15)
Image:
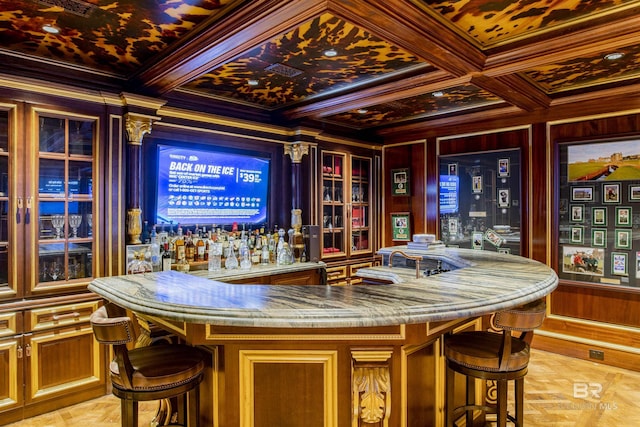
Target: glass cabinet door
(333,204)
(360,209)
(65,200)
(6,285)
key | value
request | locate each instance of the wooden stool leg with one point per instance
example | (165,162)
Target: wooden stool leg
(502,403)
(471,399)
(450,381)
(128,413)
(519,398)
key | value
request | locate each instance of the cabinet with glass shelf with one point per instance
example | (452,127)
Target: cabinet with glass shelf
(46,205)
(346,196)
(65,200)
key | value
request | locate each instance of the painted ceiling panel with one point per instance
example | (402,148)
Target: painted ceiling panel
(588,71)
(429,104)
(115,36)
(294,67)
(493,22)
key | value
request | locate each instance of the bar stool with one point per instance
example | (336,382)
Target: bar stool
(148,373)
(500,357)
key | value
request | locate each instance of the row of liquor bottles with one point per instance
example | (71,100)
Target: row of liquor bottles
(217,246)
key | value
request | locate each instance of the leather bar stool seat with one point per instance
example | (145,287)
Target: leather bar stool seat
(496,356)
(154,372)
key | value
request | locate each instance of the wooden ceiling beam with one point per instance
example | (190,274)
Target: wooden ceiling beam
(410,28)
(379,94)
(513,89)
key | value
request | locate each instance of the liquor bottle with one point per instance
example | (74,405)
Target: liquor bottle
(155,250)
(166,258)
(178,246)
(244,254)
(231,261)
(190,248)
(144,236)
(201,249)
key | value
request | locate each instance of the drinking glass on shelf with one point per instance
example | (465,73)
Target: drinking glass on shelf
(74,223)
(57,221)
(90,224)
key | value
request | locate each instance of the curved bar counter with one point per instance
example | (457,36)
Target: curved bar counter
(310,353)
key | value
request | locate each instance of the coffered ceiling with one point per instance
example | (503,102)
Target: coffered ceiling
(371,67)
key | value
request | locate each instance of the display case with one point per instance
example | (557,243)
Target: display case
(479,201)
(65,199)
(598,215)
(346,209)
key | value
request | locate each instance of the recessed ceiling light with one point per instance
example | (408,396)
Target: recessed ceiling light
(362,111)
(253,82)
(330,53)
(48,28)
(613,56)
(438,94)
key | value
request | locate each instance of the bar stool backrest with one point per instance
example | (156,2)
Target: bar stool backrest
(523,318)
(116,331)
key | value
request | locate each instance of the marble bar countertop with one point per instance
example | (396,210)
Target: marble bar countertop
(484,283)
(257,271)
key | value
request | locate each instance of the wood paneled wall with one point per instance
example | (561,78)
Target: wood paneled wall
(422,191)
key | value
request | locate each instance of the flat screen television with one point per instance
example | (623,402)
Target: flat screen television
(449,194)
(200,186)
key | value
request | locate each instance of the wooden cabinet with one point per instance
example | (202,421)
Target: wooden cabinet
(48,355)
(49,359)
(346,205)
(11,362)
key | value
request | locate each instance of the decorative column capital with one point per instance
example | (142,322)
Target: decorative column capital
(137,126)
(296,151)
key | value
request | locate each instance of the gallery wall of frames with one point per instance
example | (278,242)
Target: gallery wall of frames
(599,212)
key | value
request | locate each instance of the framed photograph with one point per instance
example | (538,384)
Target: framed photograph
(582,194)
(623,239)
(590,161)
(577,213)
(611,193)
(619,264)
(453,169)
(599,237)
(623,216)
(400,182)
(504,198)
(634,192)
(401,226)
(564,206)
(493,237)
(503,167)
(477,241)
(599,216)
(476,184)
(583,260)
(577,234)
(637,265)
